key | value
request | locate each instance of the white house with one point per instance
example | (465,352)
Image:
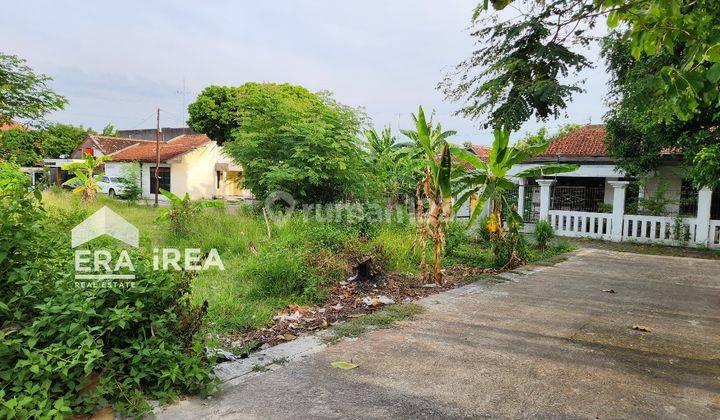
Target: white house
(599,200)
(191,164)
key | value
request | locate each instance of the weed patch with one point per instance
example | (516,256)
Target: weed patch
(384,318)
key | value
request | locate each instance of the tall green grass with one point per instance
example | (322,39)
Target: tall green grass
(295,265)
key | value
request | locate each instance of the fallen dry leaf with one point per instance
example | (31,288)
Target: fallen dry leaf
(343,365)
(642,328)
(288,336)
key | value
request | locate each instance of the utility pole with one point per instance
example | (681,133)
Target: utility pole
(157,158)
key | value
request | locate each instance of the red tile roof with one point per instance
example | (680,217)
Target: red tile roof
(145,151)
(483,152)
(10,126)
(585,141)
(109,145)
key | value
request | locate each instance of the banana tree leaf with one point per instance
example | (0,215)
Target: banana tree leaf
(513,216)
(505,184)
(172,197)
(72,181)
(499,150)
(423,133)
(444,172)
(547,170)
(468,157)
(521,156)
(486,195)
(464,197)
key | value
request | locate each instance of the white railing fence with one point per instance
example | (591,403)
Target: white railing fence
(659,229)
(634,228)
(714,235)
(581,224)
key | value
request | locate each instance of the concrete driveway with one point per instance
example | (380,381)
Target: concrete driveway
(547,343)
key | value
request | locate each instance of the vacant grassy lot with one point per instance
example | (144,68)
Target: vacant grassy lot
(296,265)
(261,274)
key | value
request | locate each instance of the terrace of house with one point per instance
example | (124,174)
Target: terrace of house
(590,189)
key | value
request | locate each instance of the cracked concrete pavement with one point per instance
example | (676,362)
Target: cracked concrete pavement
(546,343)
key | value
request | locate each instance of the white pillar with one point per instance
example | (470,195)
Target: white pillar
(545,197)
(618,209)
(521,197)
(703,216)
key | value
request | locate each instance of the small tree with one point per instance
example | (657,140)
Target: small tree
(24,94)
(430,145)
(85,175)
(130,182)
(182,211)
(286,138)
(109,130)
(489,181)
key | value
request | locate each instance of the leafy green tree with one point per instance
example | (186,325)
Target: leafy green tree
(109,130)
(21,146)
(25,95)
(63,139)
(638,134)
(517,70)
(430,145)
(29,147)
(286,138)
(489,182)
(85,175)
(523,59)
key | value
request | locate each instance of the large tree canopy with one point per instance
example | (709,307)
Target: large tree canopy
(520,67)
(25,95)
(29,147)
(286,138)
(639,134)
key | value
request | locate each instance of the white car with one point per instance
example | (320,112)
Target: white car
(110,186)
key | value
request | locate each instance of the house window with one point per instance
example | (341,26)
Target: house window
(164,174)
(218,178)
(688,199)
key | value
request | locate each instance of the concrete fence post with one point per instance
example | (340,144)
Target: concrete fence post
(545,197)
(521,197)
(703,216)
(618,209)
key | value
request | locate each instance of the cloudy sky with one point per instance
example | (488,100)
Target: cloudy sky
(118,61)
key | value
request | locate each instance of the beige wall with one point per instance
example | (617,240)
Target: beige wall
(193,173)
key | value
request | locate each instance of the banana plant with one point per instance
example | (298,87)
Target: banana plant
(429,144)
(489,180)
(85,175)
(182,211)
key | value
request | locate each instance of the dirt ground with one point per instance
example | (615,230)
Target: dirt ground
(548,342)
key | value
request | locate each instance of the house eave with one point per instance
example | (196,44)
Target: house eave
(582,160)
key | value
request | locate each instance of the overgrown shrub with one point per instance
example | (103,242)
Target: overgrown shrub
(130,183)
(71,350)
(455,236)
(480,231)
(277,272)
(504,248)
(543,233)
(183,211)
